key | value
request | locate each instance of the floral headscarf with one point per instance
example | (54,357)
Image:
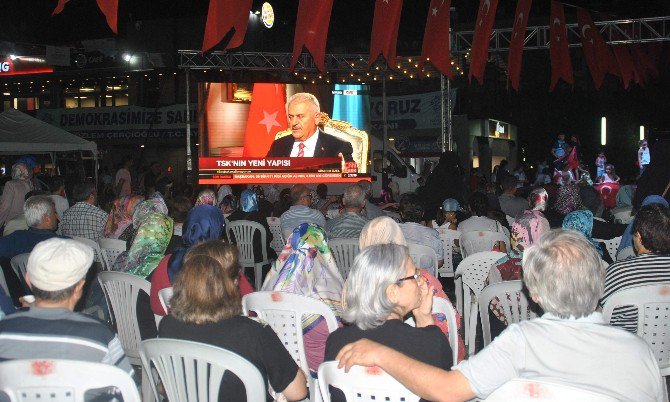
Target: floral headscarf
(538,199)
(21,172)
(248,201)
(121,215)
(528,227)
(568,199)
(223,191)
(206,197)
(144,208)
(582,221)
(149,245)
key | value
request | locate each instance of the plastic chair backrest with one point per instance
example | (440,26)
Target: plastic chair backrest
(362,384)
(525,390)
(481,240)
(3,283)
(278,241)
(110,250)
(62,380)
(95,246)
(121,290)
(192,371)
(344,252)
(423,257)
(165,295)
(19,264)
(624,217)
(611,245)
(441,306)
(510,220)
(653,316)
(448,236)
(243,231)
(511,300)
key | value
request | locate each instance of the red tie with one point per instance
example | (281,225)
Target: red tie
(301,150)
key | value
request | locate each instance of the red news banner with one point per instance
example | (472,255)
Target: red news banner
(276,170)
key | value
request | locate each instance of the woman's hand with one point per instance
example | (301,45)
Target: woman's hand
(423,314)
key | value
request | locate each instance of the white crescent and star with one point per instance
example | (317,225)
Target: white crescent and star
(269,121)
(557,22)
(584,29)
(434,12)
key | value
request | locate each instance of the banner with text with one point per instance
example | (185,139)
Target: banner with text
(409,112)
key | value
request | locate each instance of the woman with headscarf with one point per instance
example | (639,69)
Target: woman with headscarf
(384,230)
(203,223)
(249,211)
(624,203)
(206,197)
(14,193)
(223,191)
(306,267)
(142,210)
(567,200)
(537,200)
(625,249)
(582,221)
(120,218)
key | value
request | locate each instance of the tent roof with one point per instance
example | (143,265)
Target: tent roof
(21,133)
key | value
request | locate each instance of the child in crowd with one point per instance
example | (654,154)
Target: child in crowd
(610,175)
(600,164)
(559,151)
(643,156)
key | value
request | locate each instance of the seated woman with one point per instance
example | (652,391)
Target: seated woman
(206,197)
(207,308)
(382,288)
(306,267)
(249,211)
(537,199)
(448,216)
(384,230)
(582,221)
(120,218)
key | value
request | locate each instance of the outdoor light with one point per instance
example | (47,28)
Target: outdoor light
(641,133)
(127,57)
(12,57)
(603,130)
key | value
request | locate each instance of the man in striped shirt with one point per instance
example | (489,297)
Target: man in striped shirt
(50,329)
(300,212)
(350,223)
(651,240)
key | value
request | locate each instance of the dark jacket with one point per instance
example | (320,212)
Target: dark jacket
(326,146)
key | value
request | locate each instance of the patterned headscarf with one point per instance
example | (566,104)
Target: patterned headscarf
(206,197)
(21,172)
(144,208)
(121,215)
(203,223)
(248,201)
(538,199)
(149,245)
(568,199)
(528,227)
(582,221)
(223,191)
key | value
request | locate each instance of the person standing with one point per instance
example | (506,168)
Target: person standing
(123,181)
(600,164)
(643,156)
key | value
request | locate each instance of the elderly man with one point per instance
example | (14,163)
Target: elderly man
(306,139)
(50,329)
(84,219)
(350,223)
(570,344)
(300,211)
(411,213)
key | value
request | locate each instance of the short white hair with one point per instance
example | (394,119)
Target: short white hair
(36,208)
(306,98)
(564,271)
(374,270)
(354,197)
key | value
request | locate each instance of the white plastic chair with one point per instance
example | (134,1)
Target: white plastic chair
(96,247)
(165,295)
(62,380)
(515,307)
(423,257)
(525,390)
(344,252)
(441,306)
(624,217)
(283,312)
(110,250)
(448,236)
(469,279)
(3,283)
(192,371)
(243,231)
(278,240)
(362,384)
(653,317)
(611,245)
(481,240)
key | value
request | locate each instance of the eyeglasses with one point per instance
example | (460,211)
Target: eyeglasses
(416,277)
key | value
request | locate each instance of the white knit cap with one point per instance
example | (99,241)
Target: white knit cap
(57,263)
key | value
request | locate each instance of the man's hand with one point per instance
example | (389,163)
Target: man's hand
(360,353)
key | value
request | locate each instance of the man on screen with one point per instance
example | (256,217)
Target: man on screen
(306,139)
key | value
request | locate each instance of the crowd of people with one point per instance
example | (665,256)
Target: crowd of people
(178,238)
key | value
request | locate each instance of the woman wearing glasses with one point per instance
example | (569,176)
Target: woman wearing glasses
(383,287)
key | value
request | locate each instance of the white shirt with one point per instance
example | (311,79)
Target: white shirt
(310,145)
(645,158)
(478,223)
(584,352)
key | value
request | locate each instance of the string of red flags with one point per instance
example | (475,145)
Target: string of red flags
(311,31)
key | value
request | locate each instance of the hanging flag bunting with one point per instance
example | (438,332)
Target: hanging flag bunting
(481,38)
(222,16)
(588,32)
(267,116)
(110,8)
(311,31)
(436,46)
(385,31)
(516,42)
(561,66)
(625,63)
(646,65)
(59,7)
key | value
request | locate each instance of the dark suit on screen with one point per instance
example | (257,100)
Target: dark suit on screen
(326,146)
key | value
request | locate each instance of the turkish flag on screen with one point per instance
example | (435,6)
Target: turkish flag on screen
(385,31)
(436,48)
(516,44)
(267,116)
(561,66)
(481,38)
(222,16)
(311,31)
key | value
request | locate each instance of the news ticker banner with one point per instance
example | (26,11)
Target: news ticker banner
(212,170)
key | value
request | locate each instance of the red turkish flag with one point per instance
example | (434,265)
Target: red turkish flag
(646,66)
(267,116)
(222,16)
(588,32)
(311,31)
(59,7)
(481,38)
(110,8)
(625,63)
(385,31)
(561,66)
(436,48)
(516,44)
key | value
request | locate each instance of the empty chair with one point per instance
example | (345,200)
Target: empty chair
(510,301)
(164,295)
(344,252)
(423,257)
(110,249)
(243,232)
(62,380)
(481,240)
(278,241)
(611,245)
(362,384)
(96,247)
(525,390)
(448,236)
(192,371)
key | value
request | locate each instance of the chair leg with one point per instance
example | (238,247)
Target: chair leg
(258,276)
(472,330)
(147,391)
